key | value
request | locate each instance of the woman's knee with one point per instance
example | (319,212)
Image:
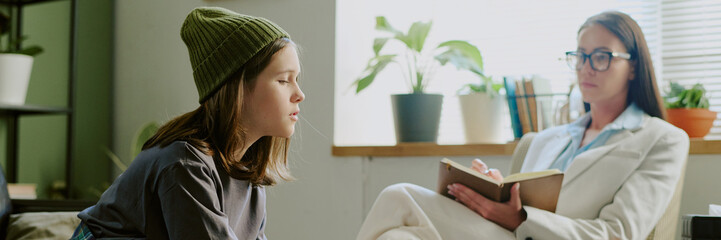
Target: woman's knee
(401,189)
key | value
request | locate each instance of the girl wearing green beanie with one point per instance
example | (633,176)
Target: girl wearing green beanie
(202,175)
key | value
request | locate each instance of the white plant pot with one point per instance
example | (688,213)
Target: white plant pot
(14,77)
(482,117)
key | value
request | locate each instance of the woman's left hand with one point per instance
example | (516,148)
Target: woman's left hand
(508,215)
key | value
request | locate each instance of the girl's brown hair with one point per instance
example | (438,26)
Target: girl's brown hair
(643,89)
(214,128)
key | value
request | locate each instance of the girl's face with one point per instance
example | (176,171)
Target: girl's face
(611,85)
(271,108)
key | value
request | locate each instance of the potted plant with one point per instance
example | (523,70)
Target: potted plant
(15,65)
(688,109)
(417,114)
(482,111)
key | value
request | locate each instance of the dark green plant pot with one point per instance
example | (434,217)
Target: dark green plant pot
(417,116)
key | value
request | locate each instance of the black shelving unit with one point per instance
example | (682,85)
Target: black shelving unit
(13,112)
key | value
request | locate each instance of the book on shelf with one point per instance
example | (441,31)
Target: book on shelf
(22,191)
(523,114)
(538,189)
(510,86)
(542,88)
(531,103)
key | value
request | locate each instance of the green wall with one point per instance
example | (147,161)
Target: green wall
(42,138)
(94,96)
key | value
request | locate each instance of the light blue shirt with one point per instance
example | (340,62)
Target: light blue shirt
(630,118)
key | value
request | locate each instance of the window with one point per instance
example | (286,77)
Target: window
(692,48)
(515,38)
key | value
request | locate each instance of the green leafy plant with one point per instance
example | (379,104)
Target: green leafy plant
(13,45)
(680,97)
(418,65)
(486,85)
(136,146)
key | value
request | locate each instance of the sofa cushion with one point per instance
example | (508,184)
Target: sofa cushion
(42,225)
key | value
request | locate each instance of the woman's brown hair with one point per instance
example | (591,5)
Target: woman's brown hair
(643,89)
(214,128)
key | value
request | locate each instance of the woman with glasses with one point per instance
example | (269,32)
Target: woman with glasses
(621,160)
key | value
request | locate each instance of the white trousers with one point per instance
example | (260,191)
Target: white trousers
(407,211)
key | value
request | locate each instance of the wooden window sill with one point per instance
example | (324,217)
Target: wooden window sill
(698,146)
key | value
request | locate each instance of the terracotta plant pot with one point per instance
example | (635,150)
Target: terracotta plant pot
(696,122)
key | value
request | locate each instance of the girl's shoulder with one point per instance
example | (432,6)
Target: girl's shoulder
(178,163)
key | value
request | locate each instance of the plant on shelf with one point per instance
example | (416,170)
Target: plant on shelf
(680,97)
(15,65)
(486,85)
(417,115)
(13,45)
(482,111)
(418,65)
(687,108)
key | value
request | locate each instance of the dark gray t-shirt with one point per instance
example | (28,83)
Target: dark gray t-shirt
(177,192)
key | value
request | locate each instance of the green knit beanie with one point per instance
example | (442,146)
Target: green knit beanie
(221,41)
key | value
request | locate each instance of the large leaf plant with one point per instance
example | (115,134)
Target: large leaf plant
(418,65)
(680,97)
(13,45)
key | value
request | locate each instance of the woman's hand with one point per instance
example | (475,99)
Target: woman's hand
(481,167)
(508,215)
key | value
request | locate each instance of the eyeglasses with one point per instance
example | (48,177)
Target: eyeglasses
(599,60)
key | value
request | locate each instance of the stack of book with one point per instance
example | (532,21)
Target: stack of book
(22,191)
(529,104)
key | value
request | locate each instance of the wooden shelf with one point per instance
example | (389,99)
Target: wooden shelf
(698,146)
(701,146)
(426,149)
(12,113)
(23,2)
(31,110)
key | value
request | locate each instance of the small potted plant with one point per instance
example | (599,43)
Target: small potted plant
(688,109)
(15,65)
(417,114)
(482,111)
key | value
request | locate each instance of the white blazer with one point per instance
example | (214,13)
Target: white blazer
(615,191)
